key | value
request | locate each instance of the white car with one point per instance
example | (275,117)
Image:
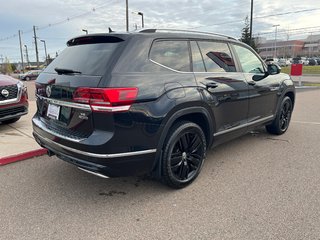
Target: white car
(283,62)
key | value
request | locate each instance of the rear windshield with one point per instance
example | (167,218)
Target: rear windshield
(89,59)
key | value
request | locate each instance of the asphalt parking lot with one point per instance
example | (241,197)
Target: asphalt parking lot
(256,187)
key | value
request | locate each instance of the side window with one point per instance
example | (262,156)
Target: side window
(250,63)
(197,61)
(172,54)
(217,57)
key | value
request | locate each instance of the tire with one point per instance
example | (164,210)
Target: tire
(12,120)
(184,154)
(281,123)
(28,78)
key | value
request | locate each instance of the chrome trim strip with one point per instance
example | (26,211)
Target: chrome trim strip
(244,125)
(94,173)
(85,106)
(66,104)
(177,71)
(111,109)
(10,101)
(89,154)
(41,125)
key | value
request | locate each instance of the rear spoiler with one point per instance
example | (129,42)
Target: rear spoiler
(93,39)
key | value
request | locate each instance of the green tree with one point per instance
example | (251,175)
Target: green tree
(245,34)
(7,66)
(13,67)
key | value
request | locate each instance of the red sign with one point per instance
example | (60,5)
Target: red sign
(296,69)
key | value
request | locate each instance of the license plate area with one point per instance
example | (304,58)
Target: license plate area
(53,111)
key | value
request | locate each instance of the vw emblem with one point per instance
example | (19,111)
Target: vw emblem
(5,93)
(48,91)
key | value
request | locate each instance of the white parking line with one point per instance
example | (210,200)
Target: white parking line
(312,123)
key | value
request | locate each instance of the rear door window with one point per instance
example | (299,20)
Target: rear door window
(171,54)
(217,56)
(197,60)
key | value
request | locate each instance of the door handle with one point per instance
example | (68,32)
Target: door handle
(211,84)
(251,82)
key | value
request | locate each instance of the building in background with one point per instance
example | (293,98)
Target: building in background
(312,46)
(281,49)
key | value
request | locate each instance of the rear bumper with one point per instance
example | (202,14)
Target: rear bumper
(111,165)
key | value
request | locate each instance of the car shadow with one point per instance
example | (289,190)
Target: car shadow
(68,182)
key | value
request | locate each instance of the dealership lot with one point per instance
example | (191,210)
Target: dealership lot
(257,187)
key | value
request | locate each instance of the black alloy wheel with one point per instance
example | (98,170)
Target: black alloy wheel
(285,115)
(184,154)
(281,123)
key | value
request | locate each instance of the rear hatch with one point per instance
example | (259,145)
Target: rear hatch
(71,98)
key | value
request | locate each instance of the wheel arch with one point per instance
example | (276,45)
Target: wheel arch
(199,115)
(291,95)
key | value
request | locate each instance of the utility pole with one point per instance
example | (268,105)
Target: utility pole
(36,45)
(251,16)
(275,40)
(27,56)
(45,50)
(127,16)
(19,32)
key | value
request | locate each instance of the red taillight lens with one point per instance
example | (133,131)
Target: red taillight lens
(106,99)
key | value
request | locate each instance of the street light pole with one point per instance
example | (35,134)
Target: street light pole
(85,30)
(251,16)
(141,14)
(127,16)
(20,44)
(45,50)
(142,19)
(275,40)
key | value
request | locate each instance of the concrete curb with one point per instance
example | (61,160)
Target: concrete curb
(22,156)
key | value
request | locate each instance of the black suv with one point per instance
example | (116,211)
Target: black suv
(154,101)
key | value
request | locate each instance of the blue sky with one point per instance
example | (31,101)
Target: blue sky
(59,20)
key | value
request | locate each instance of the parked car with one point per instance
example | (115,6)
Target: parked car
(283,62)
(271,60)
(154,101)
(297,60)
(31,75)
(312,62)
(304,61)
(13,99)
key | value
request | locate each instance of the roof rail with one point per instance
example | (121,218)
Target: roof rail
(154,30)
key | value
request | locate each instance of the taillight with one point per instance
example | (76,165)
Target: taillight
(106,99)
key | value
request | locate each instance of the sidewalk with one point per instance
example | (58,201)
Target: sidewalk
(16,140)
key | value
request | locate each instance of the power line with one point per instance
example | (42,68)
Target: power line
(271,15)
(285,31)
(286,13)
(58,22)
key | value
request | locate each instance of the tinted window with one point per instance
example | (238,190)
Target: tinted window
(197,61)
(217,57)
(172,54)
(250,63)
(89,59)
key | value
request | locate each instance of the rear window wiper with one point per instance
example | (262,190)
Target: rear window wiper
(66,71)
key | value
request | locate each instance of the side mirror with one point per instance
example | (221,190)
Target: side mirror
(273,69)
